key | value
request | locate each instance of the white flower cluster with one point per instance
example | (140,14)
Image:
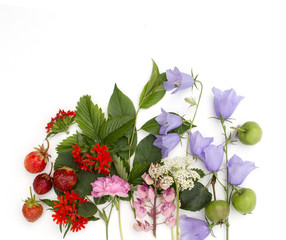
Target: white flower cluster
(179,168)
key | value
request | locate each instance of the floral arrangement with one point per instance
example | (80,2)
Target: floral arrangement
(104,163)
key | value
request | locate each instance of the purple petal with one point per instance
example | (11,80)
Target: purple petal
(193,229)
(238,170)
(187,82)
(213,157)
(225,102)
(198,143)
(167,142)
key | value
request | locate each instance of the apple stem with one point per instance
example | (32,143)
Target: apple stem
(238,129)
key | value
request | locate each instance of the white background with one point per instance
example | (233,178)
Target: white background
(53,52)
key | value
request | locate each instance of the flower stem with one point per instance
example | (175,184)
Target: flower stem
(155,212)
(226,160)
(177,211)
(119,218)
(192,122)
(172,233)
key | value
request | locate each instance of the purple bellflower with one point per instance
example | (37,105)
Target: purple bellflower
(238,170)
(225,102)
(177,79)
(193,229)
(167,142)
(212,157)
(198,143)
(168,121)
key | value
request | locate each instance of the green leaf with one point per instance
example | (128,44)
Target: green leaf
(196,199)
(84,179)
(48,202)
(154,90)
(146,152)
(87,209)
(89,117)
(115,128)
(120,168)
(77,138)
(120,105)
(65,159)
(136,173)
(199,171)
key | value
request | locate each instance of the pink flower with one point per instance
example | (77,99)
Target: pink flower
(171,221)
(113,186)
(145,193)
(139,203)
(140,212)
(169,194)
(139,226)
(146,177)
(167,209)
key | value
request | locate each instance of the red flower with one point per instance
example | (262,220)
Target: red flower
(60,116)
(66,211)
(99,159)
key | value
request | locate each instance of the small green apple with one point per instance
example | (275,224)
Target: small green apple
(244,200)
(217,211)
(250,133)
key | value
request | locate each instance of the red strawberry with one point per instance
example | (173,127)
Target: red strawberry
(36,161)
(32,209)
(43,182)
(64,179)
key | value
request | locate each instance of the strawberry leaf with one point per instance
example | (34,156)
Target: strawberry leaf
(89,117)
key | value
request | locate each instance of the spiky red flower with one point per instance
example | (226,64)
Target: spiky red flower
(58,123)
(66,211)
(99,159)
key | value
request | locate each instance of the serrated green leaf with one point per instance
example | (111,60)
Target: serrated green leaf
(120,168)
(196,199)
(146,152)
(135,176)
(89,117)
(87,209)
(115,128)
(77,138)
(120,105)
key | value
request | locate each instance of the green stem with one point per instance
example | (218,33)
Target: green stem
(192,122)
(119,218)
(177,211)
(238,129)
(226,160)
(132,137)
(107,221)
(172,233)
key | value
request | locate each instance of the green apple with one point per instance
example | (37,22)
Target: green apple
(250,133)
(217,211)
(244,200)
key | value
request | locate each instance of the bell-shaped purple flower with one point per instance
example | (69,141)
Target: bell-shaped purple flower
(212,157)
(198,143)
(238,170)
(193,229)
(168,121)
(167,142)
(177,79)
(225,102)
